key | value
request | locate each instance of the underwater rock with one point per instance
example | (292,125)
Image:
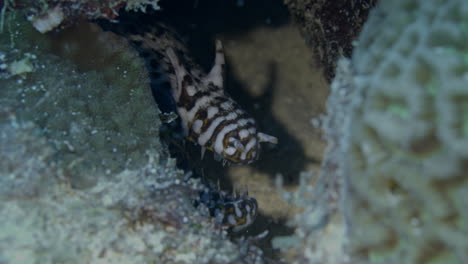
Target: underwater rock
(24,157)
(330,27)
(98,122)
(141,216)
(84,177)
(47,15)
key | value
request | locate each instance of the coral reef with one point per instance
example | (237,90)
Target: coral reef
(45,220)
(22,142)
(407,144)
(84,177)
(330,27)
(88,117)
(393,184)
(45,15)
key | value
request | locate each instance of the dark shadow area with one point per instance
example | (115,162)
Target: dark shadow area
(274,227)
(202,20)
(288,157)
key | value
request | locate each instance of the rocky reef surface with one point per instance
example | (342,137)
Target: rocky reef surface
(393,185)
(330,27)
(46,15)
(83,175)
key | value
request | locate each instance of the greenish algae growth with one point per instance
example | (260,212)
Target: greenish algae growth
(399,110)
(100,118)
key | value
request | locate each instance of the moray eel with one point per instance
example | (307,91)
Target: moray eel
(233,212)
(209,116)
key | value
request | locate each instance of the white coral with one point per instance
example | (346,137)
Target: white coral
(49,20)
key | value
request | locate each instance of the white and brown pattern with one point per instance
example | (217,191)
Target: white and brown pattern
(210,117)
(233,212)
(239,214)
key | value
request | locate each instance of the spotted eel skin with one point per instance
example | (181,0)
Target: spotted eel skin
(209,116)
(234,212)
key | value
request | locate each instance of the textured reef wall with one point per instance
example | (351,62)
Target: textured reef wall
(140,216)
(83,175)
(330,27)
(46,15)
(407,147)
(93,110)
(394,181)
